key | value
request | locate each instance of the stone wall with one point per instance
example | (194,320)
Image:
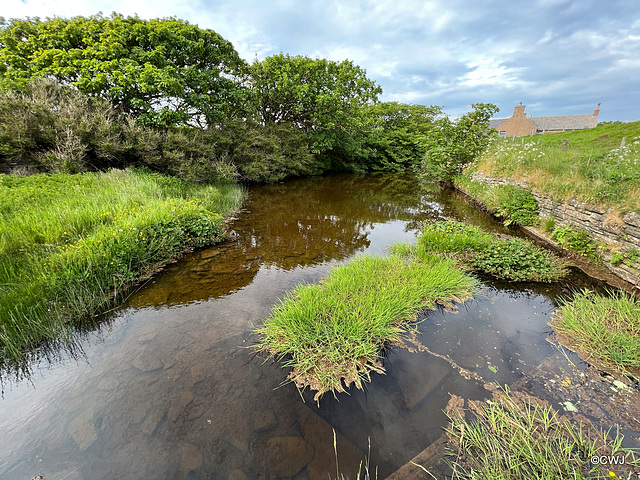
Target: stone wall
(619,234)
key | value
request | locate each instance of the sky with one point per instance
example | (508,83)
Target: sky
(557,57)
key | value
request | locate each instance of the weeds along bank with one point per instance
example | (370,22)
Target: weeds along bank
(70,245)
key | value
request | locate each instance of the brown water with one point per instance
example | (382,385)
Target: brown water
(166,388)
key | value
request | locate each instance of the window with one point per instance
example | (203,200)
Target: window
(503,133)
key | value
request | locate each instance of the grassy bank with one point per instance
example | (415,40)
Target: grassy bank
(594,168)
(607,329)
(512,259)
(333,332)
(515,438)
(71,244)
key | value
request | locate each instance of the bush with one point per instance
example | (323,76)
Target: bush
(517,205)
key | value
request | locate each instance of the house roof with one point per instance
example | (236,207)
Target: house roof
(496,122)
(564,122)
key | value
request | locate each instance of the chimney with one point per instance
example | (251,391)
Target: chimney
(518,110)
(596,111)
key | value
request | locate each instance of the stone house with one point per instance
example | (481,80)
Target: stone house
(520,124)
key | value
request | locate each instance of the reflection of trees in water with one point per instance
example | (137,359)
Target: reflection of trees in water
(302,223)
(311,221)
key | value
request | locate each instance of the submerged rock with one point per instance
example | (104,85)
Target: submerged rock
(287,456)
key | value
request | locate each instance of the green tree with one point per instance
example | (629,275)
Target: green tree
(399,138)
(324,98)
(164,71)
(455,144)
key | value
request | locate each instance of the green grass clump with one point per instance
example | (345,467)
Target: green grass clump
(520,438)
(607,329)
(594,169)
(334,332)
(71,244)
(512,259)
(515,205)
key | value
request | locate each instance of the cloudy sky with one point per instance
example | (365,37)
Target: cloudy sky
(558,57)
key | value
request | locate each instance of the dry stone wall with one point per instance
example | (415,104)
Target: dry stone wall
(618,234)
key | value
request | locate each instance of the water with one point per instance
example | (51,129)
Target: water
(167,387)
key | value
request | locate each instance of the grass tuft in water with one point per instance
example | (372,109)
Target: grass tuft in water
(72,244)
(332,334)
(605,328)
(514,438)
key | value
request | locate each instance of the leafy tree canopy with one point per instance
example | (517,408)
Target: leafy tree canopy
(398,139)
(163,71)
(323,97)
(457,143)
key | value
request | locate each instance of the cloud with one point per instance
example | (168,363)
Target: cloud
(556,56)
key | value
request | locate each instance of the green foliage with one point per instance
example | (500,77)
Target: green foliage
(607,329)
(164,72)
(457,143)
(324,98)
(512,259)
(398,138)
(333,332)
(519,261)
(453,237)
(71,244)
(515,205)
(549,224)
(267,153)
(577,240)
(616,259)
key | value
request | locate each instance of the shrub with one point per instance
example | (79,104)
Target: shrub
(517,205)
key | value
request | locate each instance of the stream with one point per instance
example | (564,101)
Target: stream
(167,387)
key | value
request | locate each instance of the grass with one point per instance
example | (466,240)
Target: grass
(605,328)
(332,334)
(72,244)
(513,438)
(511,259)
(593,169)
(515,205)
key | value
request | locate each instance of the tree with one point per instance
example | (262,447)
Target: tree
(399,134)
(322,97)
(164,71)
(455,144)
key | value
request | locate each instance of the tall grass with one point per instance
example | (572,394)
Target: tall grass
(334,332)
(514,438)
(591,169)
(605,328)
(71,244)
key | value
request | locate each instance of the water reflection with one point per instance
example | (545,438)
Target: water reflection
(303,223)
